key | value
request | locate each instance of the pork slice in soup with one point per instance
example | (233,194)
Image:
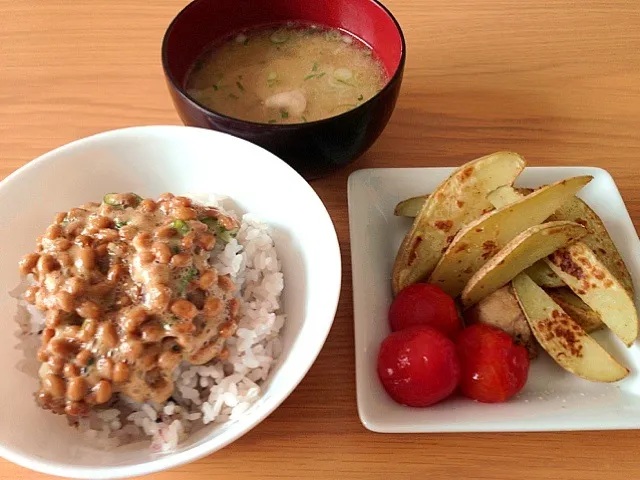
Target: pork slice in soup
(289,74)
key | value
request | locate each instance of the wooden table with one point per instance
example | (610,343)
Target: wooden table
(556,81)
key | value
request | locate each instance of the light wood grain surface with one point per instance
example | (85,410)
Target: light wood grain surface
(556,81)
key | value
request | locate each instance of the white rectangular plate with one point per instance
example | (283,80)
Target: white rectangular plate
(552,399)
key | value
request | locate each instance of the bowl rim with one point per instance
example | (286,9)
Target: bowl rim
(393,79)
(206,446)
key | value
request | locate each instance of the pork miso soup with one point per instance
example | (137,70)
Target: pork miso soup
(289,74)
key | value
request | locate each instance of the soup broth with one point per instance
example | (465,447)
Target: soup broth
(289,74)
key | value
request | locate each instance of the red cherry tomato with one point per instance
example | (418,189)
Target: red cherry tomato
(425,304)
(494,368)
(418,366)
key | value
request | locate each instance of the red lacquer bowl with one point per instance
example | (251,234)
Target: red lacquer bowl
(316,148)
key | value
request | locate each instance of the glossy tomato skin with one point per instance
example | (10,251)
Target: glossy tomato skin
(418,366)
(493,367)
(425,304)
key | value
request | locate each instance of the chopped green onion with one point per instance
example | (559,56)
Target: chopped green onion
(272,121)
(216,86)
(116,200)
(180,226)
(315,67)
(111,199)
(304,119)
(279,36)
(310,76)
(175,249)
(220,232)
(346,83)
(240,86)
(284,114)
(320,75)
(360,97)
(121,223)
(186,278)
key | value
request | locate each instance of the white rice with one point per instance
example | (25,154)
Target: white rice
(220,390)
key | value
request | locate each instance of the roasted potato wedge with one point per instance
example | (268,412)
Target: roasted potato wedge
(458,200)
(524,250)
(598,239)
(562,337)
(542,274)
(590,280)
(410,207)
(481,239)
(502,310)
(576,309)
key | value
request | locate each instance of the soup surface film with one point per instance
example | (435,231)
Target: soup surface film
(286,74)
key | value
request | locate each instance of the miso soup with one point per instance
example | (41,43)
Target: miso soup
(286,74)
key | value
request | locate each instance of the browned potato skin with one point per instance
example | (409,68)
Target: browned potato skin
(458,200)
(502,310)
(579,267)
(484,237)
(533,244)
(576,309)
(562,337)
(598,239)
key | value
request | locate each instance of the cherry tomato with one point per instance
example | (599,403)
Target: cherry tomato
(493,367)
(425,304)
(418,366)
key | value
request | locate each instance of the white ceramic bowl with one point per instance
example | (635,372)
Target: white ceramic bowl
(149,161)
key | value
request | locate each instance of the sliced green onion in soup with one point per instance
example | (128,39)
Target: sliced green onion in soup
(342,74)
(279,36)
